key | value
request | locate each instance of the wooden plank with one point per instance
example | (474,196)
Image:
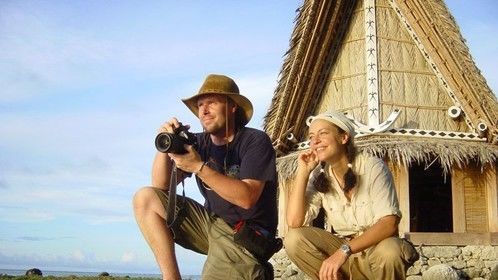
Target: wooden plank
(492,192)
(458,200)
(404,197)
(452,238)
(475,200)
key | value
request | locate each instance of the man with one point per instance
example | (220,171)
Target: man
(235,171)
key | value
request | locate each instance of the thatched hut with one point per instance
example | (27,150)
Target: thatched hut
(402,71)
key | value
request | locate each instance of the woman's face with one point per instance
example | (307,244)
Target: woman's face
(327,141)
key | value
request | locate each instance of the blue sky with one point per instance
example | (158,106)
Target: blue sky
(84,85)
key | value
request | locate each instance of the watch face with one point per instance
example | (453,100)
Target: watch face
(345,248)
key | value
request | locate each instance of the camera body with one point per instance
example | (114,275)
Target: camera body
(174,142)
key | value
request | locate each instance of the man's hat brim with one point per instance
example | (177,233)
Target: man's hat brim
(221,85)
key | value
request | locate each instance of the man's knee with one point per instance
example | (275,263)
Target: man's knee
(143,198)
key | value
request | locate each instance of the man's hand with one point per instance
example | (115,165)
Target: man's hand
(189,162)
(330,267)
(171,125)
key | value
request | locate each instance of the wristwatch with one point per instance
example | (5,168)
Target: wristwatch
(346,250)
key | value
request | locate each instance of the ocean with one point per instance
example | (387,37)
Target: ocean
(19,272)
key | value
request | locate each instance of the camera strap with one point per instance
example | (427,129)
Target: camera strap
(172,213)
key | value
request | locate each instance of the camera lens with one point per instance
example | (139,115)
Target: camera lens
(170,143)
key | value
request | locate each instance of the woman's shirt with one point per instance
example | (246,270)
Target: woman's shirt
(373,197)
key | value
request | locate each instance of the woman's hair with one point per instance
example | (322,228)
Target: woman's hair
(322,181)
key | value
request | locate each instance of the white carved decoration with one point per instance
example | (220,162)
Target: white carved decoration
(372,75)
(454,112)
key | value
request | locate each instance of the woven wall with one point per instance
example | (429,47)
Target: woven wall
(475,197)
(345,87)
(407,81)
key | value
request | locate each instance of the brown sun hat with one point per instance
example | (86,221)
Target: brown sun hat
(222,85)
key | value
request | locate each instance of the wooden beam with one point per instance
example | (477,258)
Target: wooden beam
(403,189)
(452,239)
(492,197)
(458,199)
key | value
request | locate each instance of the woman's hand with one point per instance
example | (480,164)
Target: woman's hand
(307,161)
(330,267)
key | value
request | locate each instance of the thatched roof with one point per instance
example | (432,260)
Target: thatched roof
(423,67)
(406,151)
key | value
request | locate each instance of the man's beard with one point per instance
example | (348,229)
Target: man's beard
(215,130)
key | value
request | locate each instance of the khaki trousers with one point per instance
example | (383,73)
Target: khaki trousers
(203,232)
(308,247)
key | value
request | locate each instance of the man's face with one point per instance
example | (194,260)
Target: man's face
(212,112)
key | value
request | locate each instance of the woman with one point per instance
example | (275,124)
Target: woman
(358,196)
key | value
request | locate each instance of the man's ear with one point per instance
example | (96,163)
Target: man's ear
(234,108)
(232,105)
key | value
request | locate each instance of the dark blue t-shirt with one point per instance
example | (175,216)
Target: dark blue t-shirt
(249,156)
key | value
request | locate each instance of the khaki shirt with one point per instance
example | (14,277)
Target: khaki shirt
(373,197)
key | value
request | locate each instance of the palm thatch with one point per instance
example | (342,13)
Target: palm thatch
(405,152)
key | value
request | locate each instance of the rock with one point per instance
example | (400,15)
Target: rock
(494,273)
(440,271)
(104,274)
(34,272)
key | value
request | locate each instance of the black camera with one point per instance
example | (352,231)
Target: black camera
(174,142)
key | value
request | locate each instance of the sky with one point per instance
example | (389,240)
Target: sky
(84,86)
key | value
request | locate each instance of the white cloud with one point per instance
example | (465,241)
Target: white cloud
(128,257)
(40,52)
(77,260)
(78,256)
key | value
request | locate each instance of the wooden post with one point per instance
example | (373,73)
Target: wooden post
(458,199)
(492,192)
(401,182)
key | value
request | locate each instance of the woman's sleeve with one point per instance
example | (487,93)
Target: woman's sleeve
(313,203)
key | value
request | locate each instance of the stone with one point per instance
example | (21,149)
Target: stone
(288,273)
(494,273)
(476,263)
(458,264)
(470,250)
(428,252)
(34,272)
(413,270)
(489,253)
(440,271)
(447,252)
(472,272)
(104,274)
(433,262)
(491,264)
